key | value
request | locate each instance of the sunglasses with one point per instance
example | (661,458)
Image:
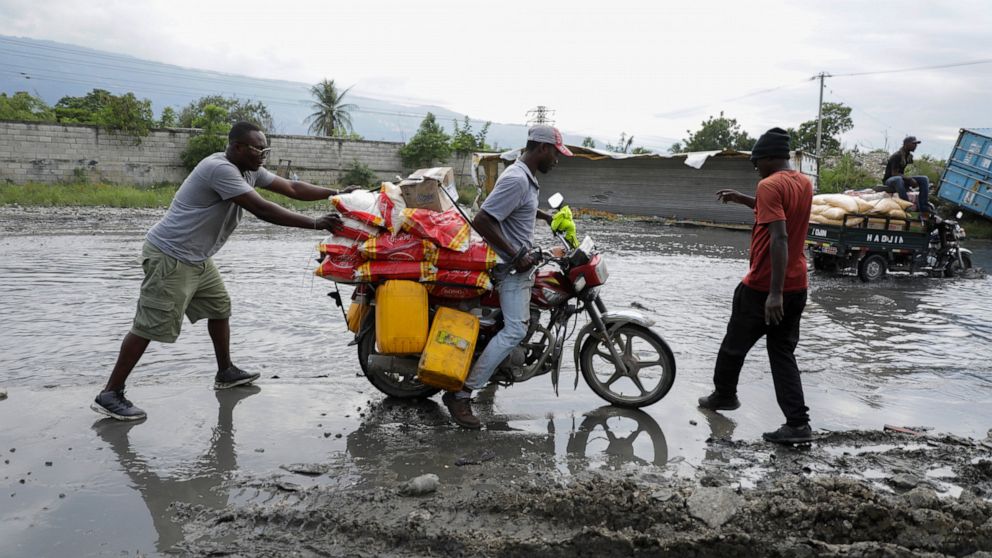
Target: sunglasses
(261,152)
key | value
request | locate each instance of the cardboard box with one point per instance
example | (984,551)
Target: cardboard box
(422,189)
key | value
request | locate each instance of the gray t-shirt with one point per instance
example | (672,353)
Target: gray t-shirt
(202,215)
(513,202)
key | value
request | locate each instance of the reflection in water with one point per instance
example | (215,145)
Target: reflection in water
(407,438)
(203,479)
(621,429)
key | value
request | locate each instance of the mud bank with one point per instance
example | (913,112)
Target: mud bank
(853,493)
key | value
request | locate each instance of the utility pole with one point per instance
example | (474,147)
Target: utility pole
(819,118)
(540,115)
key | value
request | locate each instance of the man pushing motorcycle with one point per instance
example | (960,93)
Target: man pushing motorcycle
(506,221)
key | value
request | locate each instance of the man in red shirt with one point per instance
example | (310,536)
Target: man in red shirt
(771,298)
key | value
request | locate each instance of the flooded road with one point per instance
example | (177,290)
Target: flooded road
(907,351)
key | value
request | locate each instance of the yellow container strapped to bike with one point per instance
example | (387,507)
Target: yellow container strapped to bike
(401,317)
(447,358)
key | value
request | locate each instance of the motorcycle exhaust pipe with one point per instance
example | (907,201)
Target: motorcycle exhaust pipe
(385,364)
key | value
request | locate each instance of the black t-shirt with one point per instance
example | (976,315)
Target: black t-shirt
(897,164)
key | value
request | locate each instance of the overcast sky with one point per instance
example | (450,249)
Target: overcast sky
(651,69)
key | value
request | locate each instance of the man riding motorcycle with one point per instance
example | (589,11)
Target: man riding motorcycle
(506,222)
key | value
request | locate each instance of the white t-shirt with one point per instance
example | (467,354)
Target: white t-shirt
(202,215)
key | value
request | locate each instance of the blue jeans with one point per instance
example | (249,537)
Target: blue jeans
(898,185)
(514,302)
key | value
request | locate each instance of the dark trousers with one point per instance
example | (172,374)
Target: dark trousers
(747,325)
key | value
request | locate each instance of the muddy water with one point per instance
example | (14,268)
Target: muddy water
(908,351)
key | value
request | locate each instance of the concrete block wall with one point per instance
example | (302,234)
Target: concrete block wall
(32,152)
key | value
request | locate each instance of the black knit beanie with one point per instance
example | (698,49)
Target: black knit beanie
(773,143)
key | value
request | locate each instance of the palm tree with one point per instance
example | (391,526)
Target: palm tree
(330,116)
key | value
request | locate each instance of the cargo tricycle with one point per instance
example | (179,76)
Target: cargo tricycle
(873,246)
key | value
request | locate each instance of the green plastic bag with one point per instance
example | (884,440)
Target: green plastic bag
(563,223)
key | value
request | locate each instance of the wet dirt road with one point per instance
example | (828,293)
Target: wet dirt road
(908,351)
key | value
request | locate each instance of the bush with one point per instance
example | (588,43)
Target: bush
(358,174)
(929,167)
(846,174)
(212,139)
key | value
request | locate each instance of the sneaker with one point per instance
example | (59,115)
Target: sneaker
(115,405)
(461,411)
(717,402)
(233,376)
(790,435)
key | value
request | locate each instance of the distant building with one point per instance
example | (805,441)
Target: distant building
(681,187)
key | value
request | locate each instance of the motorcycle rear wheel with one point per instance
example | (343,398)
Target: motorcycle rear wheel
(393,385)
(636,341)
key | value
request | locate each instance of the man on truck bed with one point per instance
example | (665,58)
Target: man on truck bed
(896,181)
(770,299)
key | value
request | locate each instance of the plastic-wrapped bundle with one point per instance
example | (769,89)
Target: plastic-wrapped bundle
(391,206)
(340,268)
(478,257)
(356,230)
(360,205)
(335,246)
(383,270)
(448,229)
(402,247)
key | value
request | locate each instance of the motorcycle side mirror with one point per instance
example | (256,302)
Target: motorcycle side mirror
(959,214)
(556,200)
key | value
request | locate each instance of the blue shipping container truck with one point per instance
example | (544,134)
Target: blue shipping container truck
(967,180)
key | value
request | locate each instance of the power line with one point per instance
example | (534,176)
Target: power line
(916,69)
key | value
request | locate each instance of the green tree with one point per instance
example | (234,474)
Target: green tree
(836,121)
(82,110)
(25,107)
(641,151)
(331,114)
(588,142)
(463,141)
(168,119)
(236,110)
(715,133)
(212,138)
(429,144)
(126,114)
(122,113)
(358,174)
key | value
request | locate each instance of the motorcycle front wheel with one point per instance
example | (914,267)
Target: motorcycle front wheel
(649,362)
(394,385)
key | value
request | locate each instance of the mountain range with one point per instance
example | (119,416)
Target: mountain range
(51,70)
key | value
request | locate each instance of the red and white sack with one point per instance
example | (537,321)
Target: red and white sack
(402,247)
(355,230)
(360,205)
(460,278)
(391,206)
(447,229)
(340,268)
(478,257)
(383,270)
(337,246)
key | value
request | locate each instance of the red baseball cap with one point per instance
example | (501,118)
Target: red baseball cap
(548,134)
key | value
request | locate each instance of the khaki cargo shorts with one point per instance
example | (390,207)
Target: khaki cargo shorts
(172,288)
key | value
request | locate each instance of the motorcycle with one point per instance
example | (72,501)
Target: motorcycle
(617,353)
